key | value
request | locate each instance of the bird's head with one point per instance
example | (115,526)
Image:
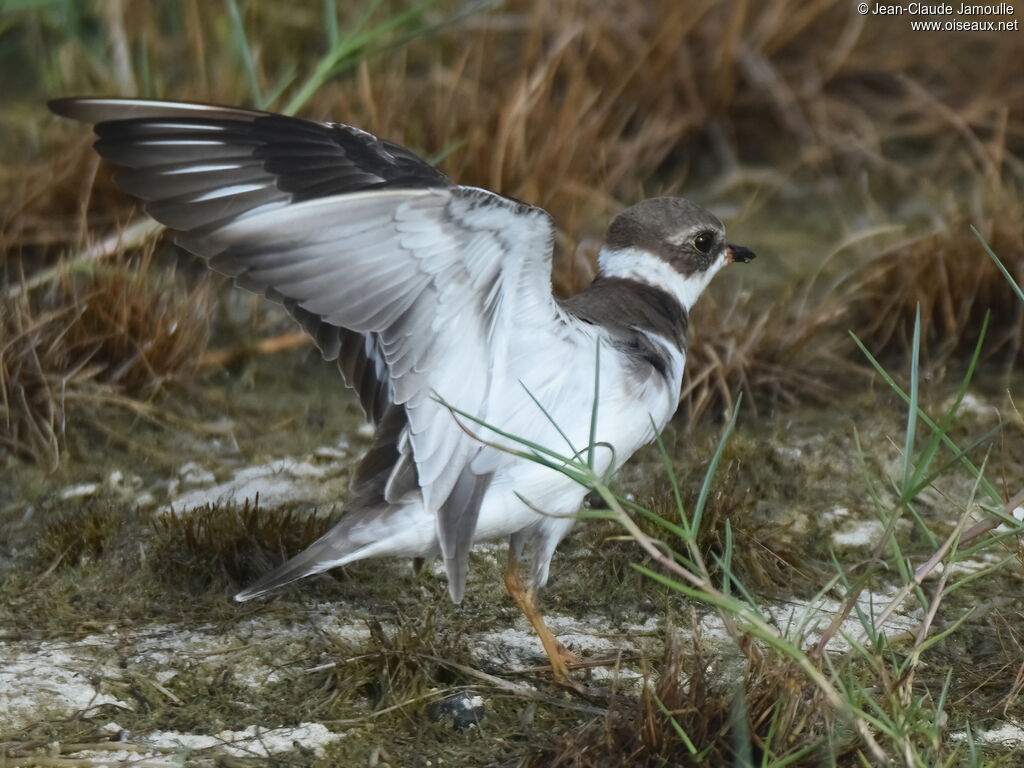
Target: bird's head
(670,243)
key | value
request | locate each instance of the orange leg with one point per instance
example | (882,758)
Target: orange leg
(558,654)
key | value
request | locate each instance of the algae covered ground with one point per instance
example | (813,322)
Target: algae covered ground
(819,565)
(121,641)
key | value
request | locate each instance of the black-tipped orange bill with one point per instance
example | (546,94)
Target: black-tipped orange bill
(735,253)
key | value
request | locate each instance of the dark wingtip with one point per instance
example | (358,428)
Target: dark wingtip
(65,107)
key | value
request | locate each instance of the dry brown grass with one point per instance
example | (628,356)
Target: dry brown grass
(122,329)
(955,283)
(580,106)
(583,107)
(78,535)
(784,352)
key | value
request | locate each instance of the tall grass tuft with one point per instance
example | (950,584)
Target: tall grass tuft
(778,353)
(939,272)
(117,333)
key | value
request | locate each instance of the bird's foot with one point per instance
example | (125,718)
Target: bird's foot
(569,658)
(562,661)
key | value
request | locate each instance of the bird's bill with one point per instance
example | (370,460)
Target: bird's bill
(734,253)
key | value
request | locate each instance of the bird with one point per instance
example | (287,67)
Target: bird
(435,301)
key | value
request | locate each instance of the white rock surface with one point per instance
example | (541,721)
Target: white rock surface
(276,482)
(54,678)
(58,679)
(519,647)
(1009,734)
(253,741)
(858,533)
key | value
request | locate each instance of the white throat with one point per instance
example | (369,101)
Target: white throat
(645,267)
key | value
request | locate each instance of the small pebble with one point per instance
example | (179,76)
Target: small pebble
(463,710)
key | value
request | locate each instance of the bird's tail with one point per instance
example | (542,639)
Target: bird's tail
(356,536)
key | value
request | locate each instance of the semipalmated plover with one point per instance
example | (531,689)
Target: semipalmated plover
(430,296)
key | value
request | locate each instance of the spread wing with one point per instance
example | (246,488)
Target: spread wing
(419,288)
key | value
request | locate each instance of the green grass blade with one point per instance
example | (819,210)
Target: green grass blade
(748,614)
(551,419)
(439,157)
(795,756)
(348,48)
(284,82)
(725,561)
(683,737)
(709,476)
(331,23)
(668,525)
(241,39)
(972,746)
(673,480)
(1016,528)
(955,459)
(989,489)
(1002,268)
(929,642)
(147,84)
(981,573)
(911,433)
(937,723)
(946,422)
(745,594)
(540,450)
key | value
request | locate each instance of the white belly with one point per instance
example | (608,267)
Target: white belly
(630,414)
(525,496)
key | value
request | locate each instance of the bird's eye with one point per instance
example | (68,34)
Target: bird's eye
(704,241)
